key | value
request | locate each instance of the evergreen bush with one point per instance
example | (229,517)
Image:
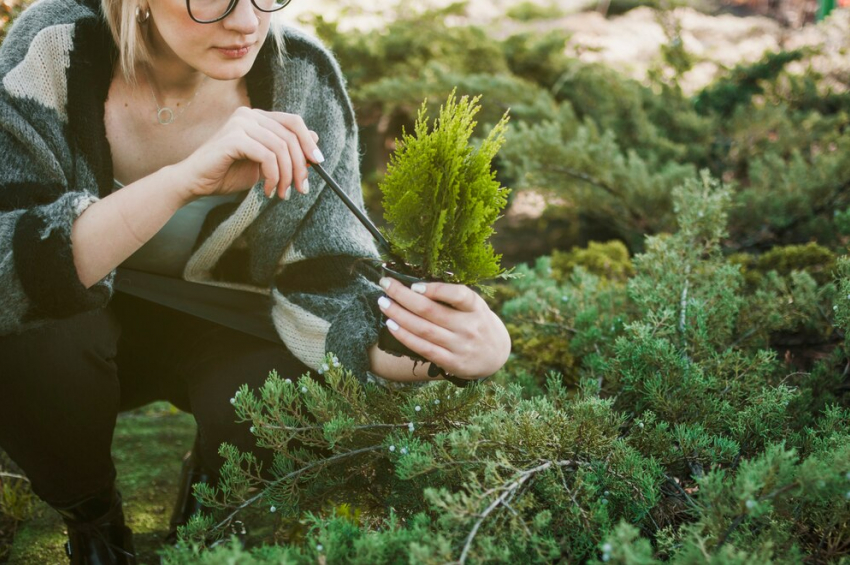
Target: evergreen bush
(679,432)
(617,148)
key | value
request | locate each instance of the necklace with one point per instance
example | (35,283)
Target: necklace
(164,114)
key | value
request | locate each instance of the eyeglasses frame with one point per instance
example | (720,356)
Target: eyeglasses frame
(230,9)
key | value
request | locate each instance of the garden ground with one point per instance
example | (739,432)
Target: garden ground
(148,448)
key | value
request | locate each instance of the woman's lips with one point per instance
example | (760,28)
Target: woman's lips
(234,52)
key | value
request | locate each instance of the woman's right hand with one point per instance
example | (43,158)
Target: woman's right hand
(253,144)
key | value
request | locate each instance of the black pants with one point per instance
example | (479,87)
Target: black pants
(62,386)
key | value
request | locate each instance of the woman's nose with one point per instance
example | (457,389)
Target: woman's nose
(243,18)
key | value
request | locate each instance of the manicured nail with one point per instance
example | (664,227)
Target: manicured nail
(287,194)
(271,194)
(385,283)
(305,186)
(418,288)
(392,325)
(318,157)
(384,302)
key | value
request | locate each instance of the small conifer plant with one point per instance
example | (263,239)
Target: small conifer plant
(441,197)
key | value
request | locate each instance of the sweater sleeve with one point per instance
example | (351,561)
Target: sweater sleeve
(325,295)
(38,206)
(325,292)
(45,184)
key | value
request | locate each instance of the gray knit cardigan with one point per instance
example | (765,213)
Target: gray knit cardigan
(305,254)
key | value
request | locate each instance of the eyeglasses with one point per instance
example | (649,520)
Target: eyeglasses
(211,11)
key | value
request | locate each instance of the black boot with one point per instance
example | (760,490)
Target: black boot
(97,534)
(193,471)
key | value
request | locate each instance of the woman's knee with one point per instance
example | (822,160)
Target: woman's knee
(59,402)
(65,370)
(64,373)
(62,349)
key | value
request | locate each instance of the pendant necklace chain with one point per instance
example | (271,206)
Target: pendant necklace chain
(164,114)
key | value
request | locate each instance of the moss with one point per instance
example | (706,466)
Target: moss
(814,259)
(747,263)
(538,353)
(609,260)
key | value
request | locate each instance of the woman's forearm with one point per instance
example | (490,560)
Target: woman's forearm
(401,369)
(112,229)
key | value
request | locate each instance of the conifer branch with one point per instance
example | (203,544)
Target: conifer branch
(682,491)
(508,493)
(588,179)
(740,518)
(636,217)
(683,303)
(223,523)
(13,476)
(766,236)
(356,428)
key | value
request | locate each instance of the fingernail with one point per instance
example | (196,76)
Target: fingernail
(305,186)
(318,157)
(392,325)
(287,194)
(418,288)
(271,194)
(385,283)
(384,302)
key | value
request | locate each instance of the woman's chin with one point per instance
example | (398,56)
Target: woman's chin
(226,71)
(223,67)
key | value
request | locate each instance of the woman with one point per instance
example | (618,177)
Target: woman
(173,139)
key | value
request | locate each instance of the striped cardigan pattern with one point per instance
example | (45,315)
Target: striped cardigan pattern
(306,254)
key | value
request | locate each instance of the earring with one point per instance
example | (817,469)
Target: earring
(142,18)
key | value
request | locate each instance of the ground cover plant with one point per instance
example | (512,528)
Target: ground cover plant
(16,501)
(677,433)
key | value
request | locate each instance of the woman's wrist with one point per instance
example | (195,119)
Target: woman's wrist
(178,182)
(400,369)
(405,369)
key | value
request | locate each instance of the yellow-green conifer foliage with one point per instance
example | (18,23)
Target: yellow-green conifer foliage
(441,197)
(608,260)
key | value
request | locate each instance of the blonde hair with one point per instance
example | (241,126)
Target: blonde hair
(120,16)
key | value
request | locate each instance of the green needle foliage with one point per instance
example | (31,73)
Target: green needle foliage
(612,148)
(684,430)
(441,197)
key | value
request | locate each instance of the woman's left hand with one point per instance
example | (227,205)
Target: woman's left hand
(448,324)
